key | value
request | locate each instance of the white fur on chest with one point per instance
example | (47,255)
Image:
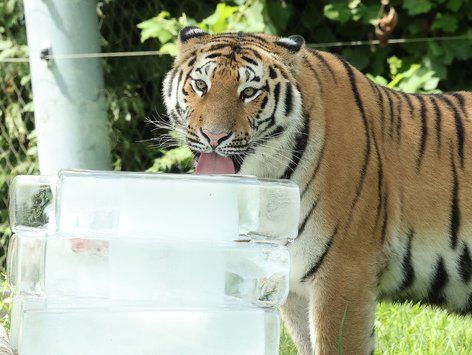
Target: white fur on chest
(305,251)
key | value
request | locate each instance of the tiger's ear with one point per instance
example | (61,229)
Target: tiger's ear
(292,43)
(190,38)
(189,32)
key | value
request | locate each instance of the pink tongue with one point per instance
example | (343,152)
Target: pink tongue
(212,163)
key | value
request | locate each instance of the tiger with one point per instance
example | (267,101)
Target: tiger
(385,177)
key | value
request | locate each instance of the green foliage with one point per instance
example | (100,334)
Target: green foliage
(6,298)
(417,7)
(351,11)
(417,18)
(413,79)
(177,160)
(247,16)
(17,135)
(165,29)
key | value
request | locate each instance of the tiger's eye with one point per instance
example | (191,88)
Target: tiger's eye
(201,85)
(248,92)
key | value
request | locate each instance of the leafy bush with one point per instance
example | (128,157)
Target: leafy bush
(17,135)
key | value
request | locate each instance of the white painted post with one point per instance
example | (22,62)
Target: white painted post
(68,94)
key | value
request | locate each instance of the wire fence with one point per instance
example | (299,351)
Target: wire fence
(132,82)
(17,137)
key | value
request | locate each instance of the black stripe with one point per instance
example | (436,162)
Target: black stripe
(407,98)
(256,53)
(247,73)
(218,46)
(271,118)
(288,100)
(249,60)
(174,116)
(249,69)
(380,103)
(390,106)
(399,116)
(312,271)
(459,128)
(317,168)
(439,282)
(247,38)
(424,132)
(192,61)
(252,122)
(171,79)
(192,133)
(277,94)
(199,69)
(408,271)
(379,179)
(259,45)
(231,41)
(298,150)
(467,310)
(197,142)
(178,109)
(272,73)
(279,130)
(256,37)
(438,116)
(383,234)
(264,102)
(213,55)
(360,106)
(302,226)
(455,211)
(322,59)
(314,71)
(461,101)
(281,70)
(465,264)
(238,160)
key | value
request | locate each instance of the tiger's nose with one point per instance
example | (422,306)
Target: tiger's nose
(215,137)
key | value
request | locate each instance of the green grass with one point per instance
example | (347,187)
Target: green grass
(404,329)
(5,301)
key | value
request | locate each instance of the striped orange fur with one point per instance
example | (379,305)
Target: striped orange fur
(385,177)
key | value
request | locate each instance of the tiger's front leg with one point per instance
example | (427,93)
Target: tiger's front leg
(342,304)
(295,316)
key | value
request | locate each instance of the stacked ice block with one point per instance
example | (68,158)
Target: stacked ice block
(131,263)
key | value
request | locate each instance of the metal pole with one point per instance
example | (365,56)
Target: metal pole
(68,94)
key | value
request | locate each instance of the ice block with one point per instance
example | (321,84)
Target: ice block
(32,201)
(111,331)
(16,315)
(147,270)
(115,204)
(25,262)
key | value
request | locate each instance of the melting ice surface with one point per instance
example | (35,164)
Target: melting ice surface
(149,270)
(129,263)
(179,206)
(158,331)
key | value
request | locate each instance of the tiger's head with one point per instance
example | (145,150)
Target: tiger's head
(235,98)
